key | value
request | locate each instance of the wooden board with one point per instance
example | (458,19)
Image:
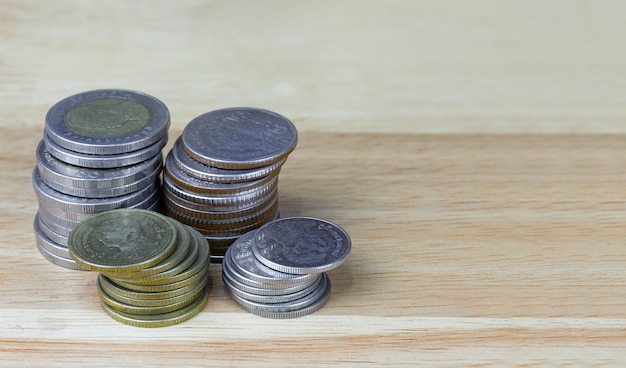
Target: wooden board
(473,152)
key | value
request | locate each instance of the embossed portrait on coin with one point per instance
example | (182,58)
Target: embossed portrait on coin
(309,248)
(122,238)
(107,117)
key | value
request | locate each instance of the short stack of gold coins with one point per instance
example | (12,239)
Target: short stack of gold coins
(221,176)
(153,269)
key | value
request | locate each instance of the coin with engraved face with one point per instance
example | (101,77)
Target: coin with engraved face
(122,241)
(239,138)
(301,245)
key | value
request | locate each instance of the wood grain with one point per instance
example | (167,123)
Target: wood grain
(473,152)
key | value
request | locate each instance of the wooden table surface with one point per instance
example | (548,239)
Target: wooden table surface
(473,150)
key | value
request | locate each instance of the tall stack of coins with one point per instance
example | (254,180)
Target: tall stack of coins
(153,269)
(279,270)
(101,150)
(221,176)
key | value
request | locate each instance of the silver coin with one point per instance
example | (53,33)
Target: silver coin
(221,210)
(59,261)
(49,218)
(107,121)
(301,245)
(269,299)
(247,265)
(48,244)
(213,200)
(54,226)
(49,197)
(54,171)
(51,234)
(264,214)
(201,171)
(252,287)
(305,305)
(103,161)
(145,180)
(196,185)
(239,138)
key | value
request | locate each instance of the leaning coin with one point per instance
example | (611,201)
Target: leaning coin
(107,121)
(159,320)
(245,263)
(239,138)
(123,240)
(301,245)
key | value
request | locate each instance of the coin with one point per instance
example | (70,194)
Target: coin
(301,245)
(103,161)
(107,121)
(295,308)
(246,264)
(159,320)
(123,240)
(239,138)
(202,171)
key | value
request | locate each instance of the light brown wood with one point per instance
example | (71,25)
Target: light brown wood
(472,150)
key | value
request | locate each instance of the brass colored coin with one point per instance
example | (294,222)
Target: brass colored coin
(122,241)
(122,306)
(183,248)
(159,320)
(166,276)
(109,284)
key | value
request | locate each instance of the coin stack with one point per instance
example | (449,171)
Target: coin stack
(101,150)
(279,270)
(153,269)
(221,176)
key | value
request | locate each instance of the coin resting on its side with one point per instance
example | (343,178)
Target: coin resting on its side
(123,240)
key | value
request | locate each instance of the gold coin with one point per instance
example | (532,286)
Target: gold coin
(159,320)
(109,284)
(149,306)
(179,258)
(122,241)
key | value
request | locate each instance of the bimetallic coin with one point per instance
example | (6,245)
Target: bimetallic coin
(54,171)
(104,161)
(239,138)
(210,173)
(301,245)
(159,320)
(123,240)
(49,197)
(58,260)
(107,121)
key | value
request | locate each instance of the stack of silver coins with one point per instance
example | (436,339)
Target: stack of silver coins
(279,270)
(221,176)
(101,150)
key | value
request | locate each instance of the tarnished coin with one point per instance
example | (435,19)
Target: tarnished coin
(239,138)
(123,240)
(107,121)
(159,320)
(301,245)
(104,161)
(202,171)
